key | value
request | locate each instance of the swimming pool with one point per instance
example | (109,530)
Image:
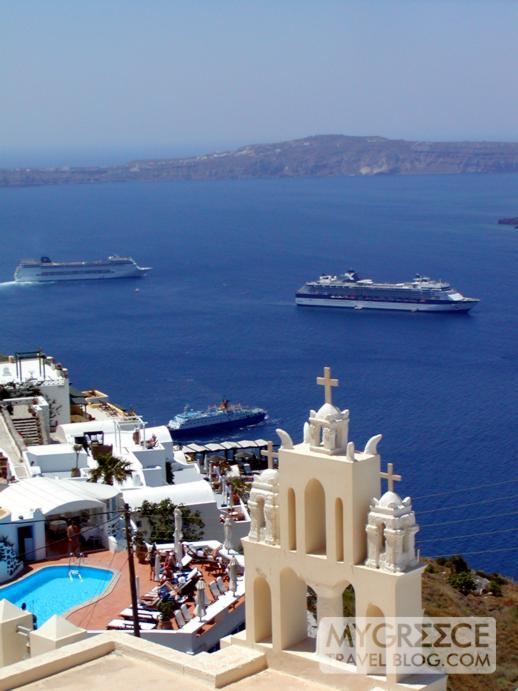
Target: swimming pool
(53,590)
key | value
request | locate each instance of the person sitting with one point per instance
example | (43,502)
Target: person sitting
(167,574)
(170,560)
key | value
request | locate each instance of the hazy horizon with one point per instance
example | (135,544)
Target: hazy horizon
(79,157)
(103,82)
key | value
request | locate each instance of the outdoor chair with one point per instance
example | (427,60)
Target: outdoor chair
(215,592)
(221,585)
(187,615)
(179,619)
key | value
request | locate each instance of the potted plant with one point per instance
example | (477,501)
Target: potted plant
(166,609)
(140,547)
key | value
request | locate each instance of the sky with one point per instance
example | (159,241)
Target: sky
(104,79)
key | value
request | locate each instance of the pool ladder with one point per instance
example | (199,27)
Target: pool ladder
(74,565)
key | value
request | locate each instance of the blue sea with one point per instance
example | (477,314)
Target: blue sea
(216,318)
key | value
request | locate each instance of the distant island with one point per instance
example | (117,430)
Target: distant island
(319,156)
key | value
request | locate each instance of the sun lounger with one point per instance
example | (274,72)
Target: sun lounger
(127,625)
(189,585)
(186,560)
(141,613)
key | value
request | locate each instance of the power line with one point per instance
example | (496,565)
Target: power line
(465,489)
(90,610)
(468,520)
(458,537)
(483,551)
(462,506)
(56,517)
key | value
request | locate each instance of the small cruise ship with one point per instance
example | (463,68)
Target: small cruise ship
(226,416)
(44,269)
(422,294)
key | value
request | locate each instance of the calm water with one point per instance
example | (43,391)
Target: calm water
(53,591)
(216,318)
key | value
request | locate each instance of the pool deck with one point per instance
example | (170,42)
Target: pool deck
(95,616)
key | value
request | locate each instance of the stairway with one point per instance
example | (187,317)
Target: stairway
(29,429)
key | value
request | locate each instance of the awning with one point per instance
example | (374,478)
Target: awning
(76,396)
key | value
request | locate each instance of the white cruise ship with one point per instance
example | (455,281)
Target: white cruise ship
(423,294)
(44,269)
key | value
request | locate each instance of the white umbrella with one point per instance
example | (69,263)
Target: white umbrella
(224,487)
(156,569)
(200,599)
(178,548)
(227,527)
(178,519)
(232,575)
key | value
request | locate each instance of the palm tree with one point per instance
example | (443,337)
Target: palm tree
(109,469)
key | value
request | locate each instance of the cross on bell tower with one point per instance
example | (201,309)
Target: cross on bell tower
(270,455)
(327,383)
(390,477)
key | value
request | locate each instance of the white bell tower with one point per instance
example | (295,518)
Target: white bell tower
(319,521)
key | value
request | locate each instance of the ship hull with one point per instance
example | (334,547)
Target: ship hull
(38,274)
(457,306)
(217,426)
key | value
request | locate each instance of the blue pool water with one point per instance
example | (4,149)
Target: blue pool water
(52,591)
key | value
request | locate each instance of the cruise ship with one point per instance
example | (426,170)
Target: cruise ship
(422,294)
(44,269)
(191,423)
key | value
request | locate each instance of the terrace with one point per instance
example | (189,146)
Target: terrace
(224,610)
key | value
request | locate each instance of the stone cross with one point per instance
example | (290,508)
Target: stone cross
(390,477)
(327,383)
(270,455)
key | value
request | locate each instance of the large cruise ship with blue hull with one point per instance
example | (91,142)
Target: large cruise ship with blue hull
(422,294)
(191,423)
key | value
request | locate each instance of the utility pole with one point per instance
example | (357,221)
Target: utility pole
(133,585)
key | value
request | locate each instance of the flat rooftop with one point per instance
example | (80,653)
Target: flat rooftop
(120,662)
(30,369)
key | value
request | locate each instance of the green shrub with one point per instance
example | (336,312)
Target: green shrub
(495,588)
(349,604)
(457,564)
(497,578)
(463,582)
(161,520)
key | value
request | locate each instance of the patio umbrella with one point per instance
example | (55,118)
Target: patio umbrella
(224,488)
(232,575)
(200,599)
(227,527)
(178,549)
(156,568)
